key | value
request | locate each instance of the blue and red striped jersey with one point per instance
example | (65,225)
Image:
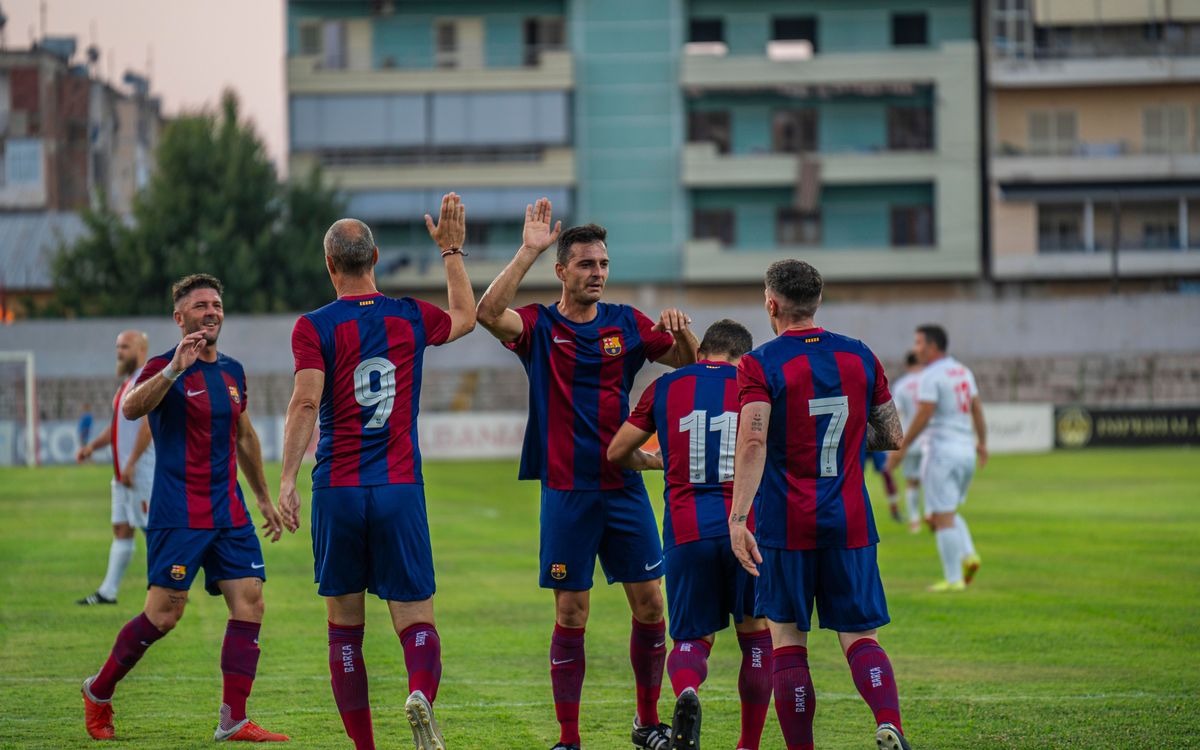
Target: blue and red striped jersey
(821,387)
(195,441)
(694,411)
(579,380)
(371,349)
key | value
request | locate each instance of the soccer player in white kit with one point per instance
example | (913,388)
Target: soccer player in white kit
(133,468)
(904,394)
(948,404)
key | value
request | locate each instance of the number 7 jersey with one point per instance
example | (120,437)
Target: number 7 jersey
(821,387)
(371,348)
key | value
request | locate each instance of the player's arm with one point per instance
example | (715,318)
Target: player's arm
(884,432)
(980,430)
(915,428)
(85,451)
(684,350)
(749,459)
(149,392)
(625,450)
(140,444)
(249,455)
(298,428)
(450,233)
(493,312)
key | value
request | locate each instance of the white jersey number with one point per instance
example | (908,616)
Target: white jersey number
(694,424)
(838,409)
(381,395)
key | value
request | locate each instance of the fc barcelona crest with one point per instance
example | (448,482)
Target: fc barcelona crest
(611,345)
(558,571)
(233,394)
(178,572)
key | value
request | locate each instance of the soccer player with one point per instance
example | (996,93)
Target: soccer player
(196,400)
(813,402)
(133,468)
(358,368)
(948,404)
(581,356)
(904,393)
(694,411)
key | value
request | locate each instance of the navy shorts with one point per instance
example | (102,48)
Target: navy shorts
(844,583)
(174,556)
(705,586)
(616,525)
(372,539)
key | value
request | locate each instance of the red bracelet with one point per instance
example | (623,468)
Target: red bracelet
(454,251)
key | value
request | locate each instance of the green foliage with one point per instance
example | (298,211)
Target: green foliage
(214,204)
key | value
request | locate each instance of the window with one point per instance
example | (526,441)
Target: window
(1012,24)
(794,131)
(445,35)
(1160,235)
(713,224)
(706,30)
(1165,129)
(910,129)
(333,45)
(795,29)
(912,226)
(796,227)
(1053,133)
(543,34)
(478,233)
(910,29)
(712,127)
(1059,228)
(310,38)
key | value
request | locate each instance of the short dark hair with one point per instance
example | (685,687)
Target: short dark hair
(910,359)
(935,335)
(584,234)
(798,283)
(727,337)
(189,284)
(351,246)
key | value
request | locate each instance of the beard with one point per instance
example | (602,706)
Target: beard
(126,367)
(209,338)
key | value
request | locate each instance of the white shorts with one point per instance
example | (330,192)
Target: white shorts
(131,505)
(911,464)
(946,477)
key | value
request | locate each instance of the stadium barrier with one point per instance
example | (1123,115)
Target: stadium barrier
(1012,428)
(1089,427)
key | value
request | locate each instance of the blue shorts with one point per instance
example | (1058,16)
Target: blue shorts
(844,582)
(705,585)
(879,459)
(618,525)
(372,539)
(174,556)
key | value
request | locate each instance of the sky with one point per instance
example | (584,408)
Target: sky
(193,49)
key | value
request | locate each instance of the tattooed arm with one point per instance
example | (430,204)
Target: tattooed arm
(883,428)
(749,459)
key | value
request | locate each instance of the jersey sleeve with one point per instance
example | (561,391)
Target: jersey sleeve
(153,367)
(523,344)
(752,382)
(882,393)
(974,386)
(642,416)
(437,323)
(656,343)
(241,379)
(927,391)
(306,346)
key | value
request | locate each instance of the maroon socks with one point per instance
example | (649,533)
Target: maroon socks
(754,685)
(876,683)
(566,678)
(423,659)
(133,640)
(348,675)
(795,700)
(239,662)
(687,665)
(648,654)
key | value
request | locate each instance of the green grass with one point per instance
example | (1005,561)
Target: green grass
(1080,632)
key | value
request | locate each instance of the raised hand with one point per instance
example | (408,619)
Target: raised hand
(188,351)
(450,232)
(673,321)
(537,234)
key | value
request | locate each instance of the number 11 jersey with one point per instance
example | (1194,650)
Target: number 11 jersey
(371,348)
(821,387)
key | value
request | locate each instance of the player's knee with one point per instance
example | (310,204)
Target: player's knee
(571,612)
(647,605)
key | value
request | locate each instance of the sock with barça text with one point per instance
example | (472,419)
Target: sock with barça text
(239,663)
(795,699)
(687,665)
(567,666)
(754,685)
(133,640)
(348,675)
(423,659)
(876,683)
(648,654)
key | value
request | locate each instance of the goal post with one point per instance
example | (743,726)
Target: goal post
(19,366)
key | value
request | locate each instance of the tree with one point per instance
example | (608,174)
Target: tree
(214,204)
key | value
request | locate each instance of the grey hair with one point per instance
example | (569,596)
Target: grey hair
(351,246)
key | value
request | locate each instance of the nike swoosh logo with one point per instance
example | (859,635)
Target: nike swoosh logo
(660,644)
(256,566)
(196,393)
(557,662)
(144,643)
(557,340)
(648,566)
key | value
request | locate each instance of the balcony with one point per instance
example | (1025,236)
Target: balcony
(405,269)
(1131,263)
(705,167)
(544,166)
(1092,55)
(1089,162)
(554,71)
(707,262)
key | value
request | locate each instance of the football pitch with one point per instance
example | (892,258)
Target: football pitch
(1080,632)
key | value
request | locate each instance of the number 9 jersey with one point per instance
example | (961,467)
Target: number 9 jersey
(821,387)
(371,349)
